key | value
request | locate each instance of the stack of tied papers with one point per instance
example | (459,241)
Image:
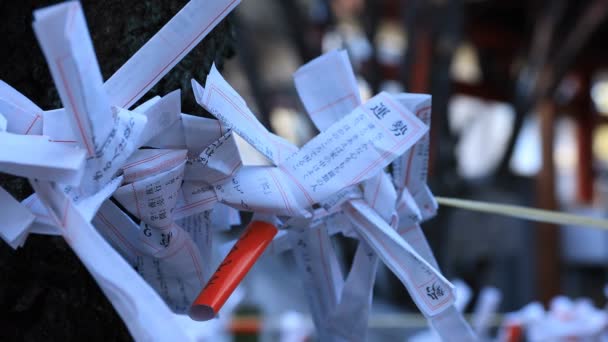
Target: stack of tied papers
(138,192)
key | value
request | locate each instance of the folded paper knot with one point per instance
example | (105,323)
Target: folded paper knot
(341,171)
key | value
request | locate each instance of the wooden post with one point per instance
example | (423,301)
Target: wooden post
(547,237)
(420,82)
(584,137)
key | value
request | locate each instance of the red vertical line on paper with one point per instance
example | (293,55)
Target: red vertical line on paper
(83,135)
(136,201)
(27,131)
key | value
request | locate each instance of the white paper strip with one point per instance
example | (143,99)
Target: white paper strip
(350,318)
(262,189)
(222,101)
(431,292)
(217,163)
(23,116)
(167,259)
(165,49)
(161,114)
(172,137)
(328,88)
(153,199)
(451,326)
(56,125)
(37,157)
(150,162)
(410,170)
(200,228)
(313,252)
(194,198)
(3,123)
(200,132)
(353,149)
(64,38)
(108,134)
(16,219)
(145,314)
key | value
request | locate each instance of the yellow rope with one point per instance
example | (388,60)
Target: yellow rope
(525,213)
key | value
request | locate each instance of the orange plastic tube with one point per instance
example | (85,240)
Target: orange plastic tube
(232,270)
